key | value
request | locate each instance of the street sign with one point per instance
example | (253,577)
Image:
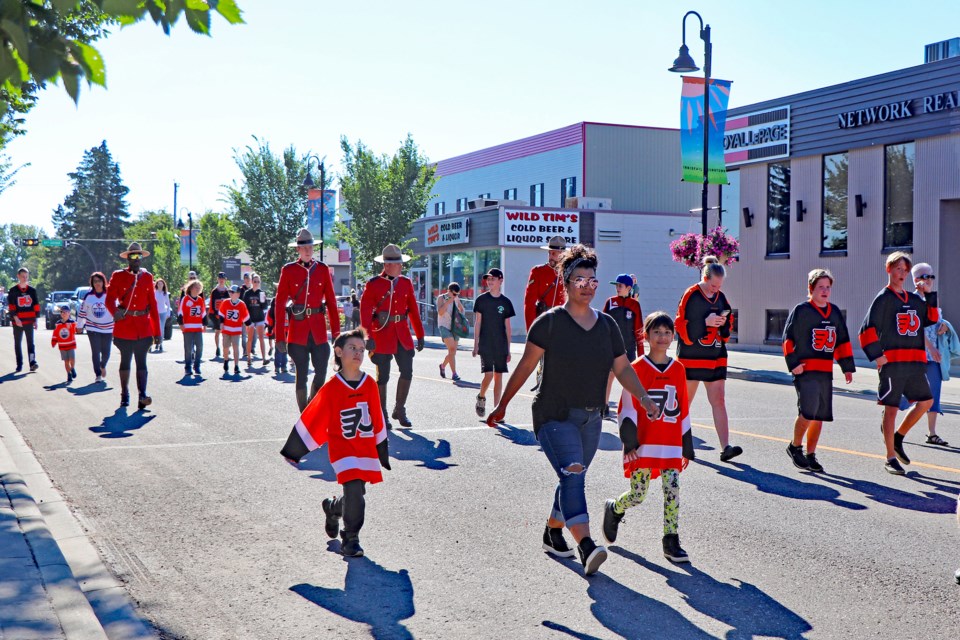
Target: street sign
(231,267)
(52,242)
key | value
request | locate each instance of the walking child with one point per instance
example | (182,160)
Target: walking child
(233,314)
(493,311)
(65,336)
(190,316)
(658,446)
(345,415)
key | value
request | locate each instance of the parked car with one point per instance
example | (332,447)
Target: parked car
(76,299)
(4,311)
(51,312)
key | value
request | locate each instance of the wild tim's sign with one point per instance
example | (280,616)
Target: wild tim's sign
(533,228)
(447,232)
(898,110)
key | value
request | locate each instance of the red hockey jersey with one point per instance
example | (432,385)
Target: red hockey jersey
(233,316)
(64,335)
(192,311)
(350,422)
(702,349)
(661,440)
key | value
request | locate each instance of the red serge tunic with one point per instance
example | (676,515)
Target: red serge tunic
(64,335)
(192,310)
(133,292)
(310,285)
(396,298)
(702,349)
(543,286)
(661,441)
(350,422)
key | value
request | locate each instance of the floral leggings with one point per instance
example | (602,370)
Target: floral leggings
(640,482)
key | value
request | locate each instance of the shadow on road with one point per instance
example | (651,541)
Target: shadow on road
(93,387)
(121,425)
(751,612)
(630,614)
(925,501)
(556,626)
(465,384)
(760,375)
(609,442)
(319,460)
(409,445)
(371,595)
(517,435)
(10,377)
(188,380)
(778,485)
(286,378)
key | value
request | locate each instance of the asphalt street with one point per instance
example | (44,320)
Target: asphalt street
(215,536)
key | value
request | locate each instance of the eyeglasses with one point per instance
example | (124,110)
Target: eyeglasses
(927,276)
(583,282)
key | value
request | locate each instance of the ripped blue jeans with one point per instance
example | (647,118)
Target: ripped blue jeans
(571,442)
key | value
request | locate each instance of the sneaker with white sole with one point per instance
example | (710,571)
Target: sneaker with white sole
(481,406)
(611,521)
(555,544)
(893,467)
(797,457)
(591,555)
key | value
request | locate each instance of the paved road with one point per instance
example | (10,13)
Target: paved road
(216,537)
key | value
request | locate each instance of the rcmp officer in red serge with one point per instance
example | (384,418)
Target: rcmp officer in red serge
(387,304)
(307,285)
(544,288)
(136,323)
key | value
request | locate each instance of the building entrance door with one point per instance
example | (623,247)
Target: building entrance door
(948,275)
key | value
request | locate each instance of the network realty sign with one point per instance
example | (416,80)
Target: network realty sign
(898,110)
(535,227)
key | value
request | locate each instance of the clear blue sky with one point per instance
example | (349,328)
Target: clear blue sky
(459,76)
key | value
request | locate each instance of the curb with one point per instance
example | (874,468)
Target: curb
(88,601)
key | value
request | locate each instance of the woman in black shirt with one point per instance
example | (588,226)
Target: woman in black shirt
(579,345)
(256,300)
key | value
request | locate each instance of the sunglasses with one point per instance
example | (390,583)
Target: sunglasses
(583,282)
(927,276)
(134,256)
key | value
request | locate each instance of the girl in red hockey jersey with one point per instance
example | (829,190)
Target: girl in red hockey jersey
(345,414)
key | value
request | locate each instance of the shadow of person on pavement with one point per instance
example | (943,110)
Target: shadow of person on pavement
(286,378)
(760,375)
(93,387)
(701,445)
(556,626)
(924,501)
(466,384)
(10,377)
(56,387)
(517,435)
(371,595)
(778,485)
(120,425)
(319,460)
(189,380)
(630,614)
(609,442)
(751,612)
(409,445)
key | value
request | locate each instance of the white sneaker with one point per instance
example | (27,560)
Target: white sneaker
(98,380)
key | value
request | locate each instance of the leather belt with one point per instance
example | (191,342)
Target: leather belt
(136,314)
(312,310)
(396,318)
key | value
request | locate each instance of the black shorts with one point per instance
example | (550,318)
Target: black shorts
(914,387)
(815,396)
(493,363)
(214,322)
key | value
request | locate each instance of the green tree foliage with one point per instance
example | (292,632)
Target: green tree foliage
(96,209)
(269,206)
(218,239)
(155,230)
(8,172)
(384,196)
(12,257)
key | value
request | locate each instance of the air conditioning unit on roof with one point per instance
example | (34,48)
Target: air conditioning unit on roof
(481,203)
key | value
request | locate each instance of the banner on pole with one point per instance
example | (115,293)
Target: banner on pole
(691,129)
(329,214)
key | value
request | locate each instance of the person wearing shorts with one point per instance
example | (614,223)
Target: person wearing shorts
(445,305)
(493,311)
(815,335)
(65,337)
(233,315)
(256,300)
(892,335)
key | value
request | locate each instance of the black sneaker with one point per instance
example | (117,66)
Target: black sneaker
(34,366)
(894,467)
(797,457)
(672,550)
(898,448)
(226,367)
(481,406)
(332,525)
(729,453)
(73,373)
(236,370)
(591,556)
(813,463)
(611,521)
(196,369)
(187,370)
(18,369)
(555,544)
(350,546)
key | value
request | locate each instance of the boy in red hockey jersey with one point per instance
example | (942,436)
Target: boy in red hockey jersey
(814,336)
(345,414)
(892,336)
(653,446)
(65,337)
(233,313)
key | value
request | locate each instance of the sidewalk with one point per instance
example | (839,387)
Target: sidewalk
(53,583)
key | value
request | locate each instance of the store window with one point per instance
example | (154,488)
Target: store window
(461,204)
(834,220)
(898,168)
(778,209)
(568,189)
(486,259)
(510,194)
(776,321)
(439,208)
(536,195)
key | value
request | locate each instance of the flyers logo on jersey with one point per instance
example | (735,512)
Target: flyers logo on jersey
(712,339)
(908,324)
(666,399)
(196,312)
(24,301)
(825,339)
(356,422)
(233,314)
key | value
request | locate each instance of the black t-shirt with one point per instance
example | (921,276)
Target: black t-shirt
(493,327)
(575,363)
(256,301)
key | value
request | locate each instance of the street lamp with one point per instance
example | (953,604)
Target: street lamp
(190,237)
(308,184)
(685,64)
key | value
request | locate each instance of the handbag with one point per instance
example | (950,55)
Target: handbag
(459,326)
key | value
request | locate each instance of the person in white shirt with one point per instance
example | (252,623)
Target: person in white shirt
(163,308)
(94,318)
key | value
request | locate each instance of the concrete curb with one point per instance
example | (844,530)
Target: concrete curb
(88,601)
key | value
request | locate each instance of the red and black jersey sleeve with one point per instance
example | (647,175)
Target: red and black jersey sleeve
(843,353)
(871,327)
(791,338)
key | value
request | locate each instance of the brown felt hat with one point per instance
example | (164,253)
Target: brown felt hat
(134,247)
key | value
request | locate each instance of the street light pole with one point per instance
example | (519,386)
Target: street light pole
(93,261)
(190,231)
(685,64)
(176,186)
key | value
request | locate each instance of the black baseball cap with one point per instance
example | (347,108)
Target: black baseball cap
(494,273)
(222,275)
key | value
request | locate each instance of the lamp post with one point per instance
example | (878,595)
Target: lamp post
(685,64)
(93,261)
(308,184)
(190,237)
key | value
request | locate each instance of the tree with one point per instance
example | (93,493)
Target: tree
(13,256)
(269,207)
(8,172)
(383,196)
(162,240)
(218,239)
(96,209)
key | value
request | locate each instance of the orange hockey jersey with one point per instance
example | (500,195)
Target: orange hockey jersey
(64,335)
(351,424)
(192,311)
(660,442)
(233,317)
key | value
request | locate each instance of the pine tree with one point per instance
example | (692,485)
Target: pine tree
(96,209)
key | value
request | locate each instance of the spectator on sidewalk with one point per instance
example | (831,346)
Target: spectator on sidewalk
(97,321)
(446,302)
(493,311)
(256,300)
(24,306)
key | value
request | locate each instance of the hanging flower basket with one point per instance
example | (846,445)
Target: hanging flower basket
(691,248)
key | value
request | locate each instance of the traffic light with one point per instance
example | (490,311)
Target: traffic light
(29,242)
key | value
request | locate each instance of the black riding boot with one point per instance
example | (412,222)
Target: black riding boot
(400,407)
(302,399)
(144,400)
(124,387)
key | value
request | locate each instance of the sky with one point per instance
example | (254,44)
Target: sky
(458,76)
